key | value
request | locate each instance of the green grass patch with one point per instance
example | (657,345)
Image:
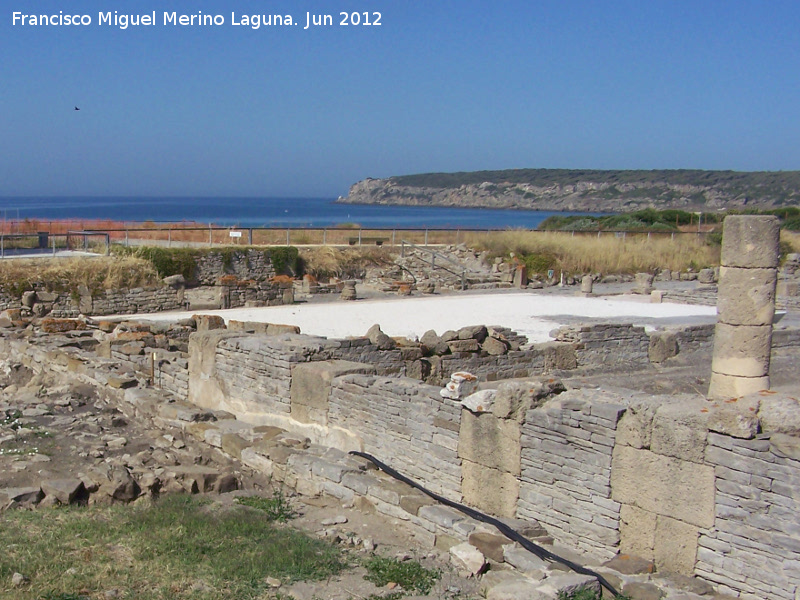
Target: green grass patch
(410,575)
(179,547)
(277,508)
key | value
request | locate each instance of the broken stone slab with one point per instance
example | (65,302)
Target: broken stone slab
(461,384)
(525,561)
(490,545)
(380,339)
(569,584)
(66,491)
(494,346)
(21,496)
(736,417)
(467,557)
(663,345)
(779,413)
(479,402)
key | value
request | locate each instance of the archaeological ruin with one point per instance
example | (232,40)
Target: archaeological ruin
(698,485)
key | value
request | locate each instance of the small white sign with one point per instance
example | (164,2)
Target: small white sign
(236,234)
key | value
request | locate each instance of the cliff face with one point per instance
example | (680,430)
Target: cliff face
(592,191)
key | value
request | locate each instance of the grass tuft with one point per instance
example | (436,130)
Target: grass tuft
(276,508)
(410,575)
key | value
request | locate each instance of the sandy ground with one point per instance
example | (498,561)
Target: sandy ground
(531,314)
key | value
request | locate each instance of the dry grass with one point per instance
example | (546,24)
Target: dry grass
(346,263)
(792,238)
(66,274)
(606,254)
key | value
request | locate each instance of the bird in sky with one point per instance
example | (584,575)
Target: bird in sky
(76,108)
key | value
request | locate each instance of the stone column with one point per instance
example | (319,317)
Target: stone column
(745,306)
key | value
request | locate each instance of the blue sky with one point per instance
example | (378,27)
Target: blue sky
(438,86)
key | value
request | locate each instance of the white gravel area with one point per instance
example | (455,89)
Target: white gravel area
(532,315)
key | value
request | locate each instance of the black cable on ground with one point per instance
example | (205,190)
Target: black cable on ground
(502,527)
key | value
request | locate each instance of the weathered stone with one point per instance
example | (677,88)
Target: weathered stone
(468,558)
(733,386)
(22,496)
(233,444)
(464,346)
(785,445)
(520,277)
(28,299)
(644,284)
(663,345)
(780,414)
(208,322)
(489,489)
(637,530)
(50,325)
(479,402)
(663,485)
(461,384)
(680,429)
(380,339)
(311,386)
(348,291)
(490,545)
(121,382)
(64,490)
(705,276)
(642,591)
(474,332)
(587,285)
(736,417)
(750,241)
(742,351)
(494,346)
(675,546)
(746,296)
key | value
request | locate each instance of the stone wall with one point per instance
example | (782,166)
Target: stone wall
(244,264)
(754,546)
(566,470)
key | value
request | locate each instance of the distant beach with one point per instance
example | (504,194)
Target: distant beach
(264,212)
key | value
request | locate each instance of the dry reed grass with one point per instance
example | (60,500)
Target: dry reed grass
(792,238)
(327,261)
(66,274)
(606,254)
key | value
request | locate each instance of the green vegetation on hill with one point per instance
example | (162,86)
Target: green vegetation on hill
(774,182)
(659,220)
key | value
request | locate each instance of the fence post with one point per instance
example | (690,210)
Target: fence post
(250,236)
(359,237)
(288,237)
(394,233)
(210,237)
(463,279)
(127,243)
(426,237)
(402,248)
(169,238)
(3,244)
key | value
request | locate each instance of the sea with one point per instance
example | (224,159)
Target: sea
(266,212)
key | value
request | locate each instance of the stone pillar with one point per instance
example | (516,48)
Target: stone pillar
(349,290)
(745,306)
(587,284)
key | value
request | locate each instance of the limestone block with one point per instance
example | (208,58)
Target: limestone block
(705,276)
(587,284)
(461,384)
(742,350)
(788,288)
(379,338)
(736,417)
(750,241)
(663,345)
(489,441)
(676,546)
(558,356)
(490,544)
(637,530)
(680,430)
(468,558)
(780,414)
(515,398)
(209,322)
(644,284)
(464,345)
(479,402)
(635,428)
(520,277)
(489,490)
(746,296)
(473,332)
(663,485)
(731,386)
(494,346)
(785,445)
(311,386)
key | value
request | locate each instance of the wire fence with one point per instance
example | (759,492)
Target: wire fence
(77,235)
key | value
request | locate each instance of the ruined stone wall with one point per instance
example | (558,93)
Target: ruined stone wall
(565,482)
(250,264)
(403,422)
(607,345)
(754,546)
